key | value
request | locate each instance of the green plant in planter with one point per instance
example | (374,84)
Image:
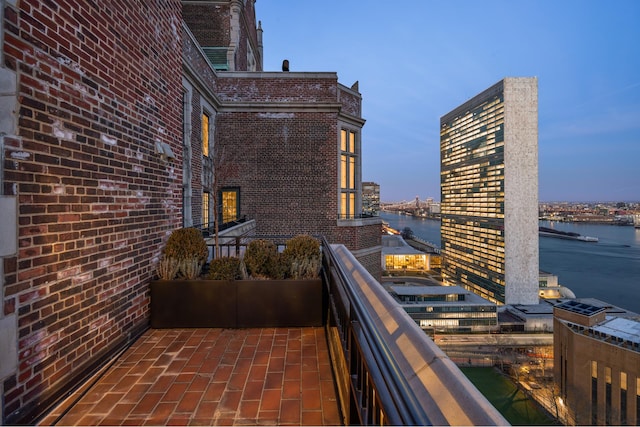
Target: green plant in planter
(225,268)
(303,256)
(168,268)
(187,248)
(263,260)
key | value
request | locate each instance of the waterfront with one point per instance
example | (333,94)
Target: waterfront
(608,270)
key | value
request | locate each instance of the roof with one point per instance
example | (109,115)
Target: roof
(531,310)
(395,245)
(217,56)
(580,307)
(620,327)
(470,297)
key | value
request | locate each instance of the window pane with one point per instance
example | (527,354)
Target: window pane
(343,140)
(343,171)
(352,173)
(352,205)
(229,206)
(205,208)
(343,204)
(205,135)
(352,142)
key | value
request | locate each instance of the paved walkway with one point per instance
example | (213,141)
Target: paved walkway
(212,377)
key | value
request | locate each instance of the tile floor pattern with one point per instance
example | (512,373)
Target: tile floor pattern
(278,376)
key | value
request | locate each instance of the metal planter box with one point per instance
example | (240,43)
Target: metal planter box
(236,303)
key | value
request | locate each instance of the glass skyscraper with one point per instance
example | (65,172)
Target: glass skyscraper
(489,193)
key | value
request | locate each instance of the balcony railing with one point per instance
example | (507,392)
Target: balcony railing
(208,229)
(388,371)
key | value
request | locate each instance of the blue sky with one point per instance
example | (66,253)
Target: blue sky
(416,60)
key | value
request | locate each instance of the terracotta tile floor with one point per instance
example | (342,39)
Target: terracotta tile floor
(276,376)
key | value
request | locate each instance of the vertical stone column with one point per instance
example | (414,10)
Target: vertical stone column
(8,212)
(521,190)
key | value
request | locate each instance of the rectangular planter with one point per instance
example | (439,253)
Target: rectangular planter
(279,303)
(236,304)
(193,304)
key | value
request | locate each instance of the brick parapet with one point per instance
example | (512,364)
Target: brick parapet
(278,87)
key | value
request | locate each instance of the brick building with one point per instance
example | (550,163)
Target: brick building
(596,364)
(109,135)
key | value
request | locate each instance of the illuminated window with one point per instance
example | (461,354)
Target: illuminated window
(637,399)
(348,173)
(205,209)
(623,398)
(230,204)
(594,392)
(607,395)
(205,135)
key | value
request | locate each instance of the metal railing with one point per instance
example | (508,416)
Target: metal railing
(208,229)
(388,371)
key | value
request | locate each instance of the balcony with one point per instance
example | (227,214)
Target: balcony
(370,364)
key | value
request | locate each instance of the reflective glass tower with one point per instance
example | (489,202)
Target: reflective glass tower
(489,193)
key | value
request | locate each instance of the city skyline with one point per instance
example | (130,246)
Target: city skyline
(415,63)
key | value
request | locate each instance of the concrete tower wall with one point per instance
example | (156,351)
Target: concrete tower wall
(521,190)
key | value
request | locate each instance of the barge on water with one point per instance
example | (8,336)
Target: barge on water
(550,232)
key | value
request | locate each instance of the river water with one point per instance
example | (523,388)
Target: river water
(608,270)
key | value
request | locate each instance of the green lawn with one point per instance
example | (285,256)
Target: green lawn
(512,403)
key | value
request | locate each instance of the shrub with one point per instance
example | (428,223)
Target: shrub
(261,259)
(189,268)
(303,257)
(167,268)
(186,243)
(225,268)
(279,267)
(187,249)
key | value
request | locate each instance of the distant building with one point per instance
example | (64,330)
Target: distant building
(489,193)
(399,256)
(597,364)
(528,318)
(434,208)
(549,288)
(370,198)
(439,309)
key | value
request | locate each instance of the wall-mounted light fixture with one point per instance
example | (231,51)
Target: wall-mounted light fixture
(165,151)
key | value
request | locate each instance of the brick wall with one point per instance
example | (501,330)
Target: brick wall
(287,157)
(99,85)
(301,88)
(286,169)
(209,22)
(362,237)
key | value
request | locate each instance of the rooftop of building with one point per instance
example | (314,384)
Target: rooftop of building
(545,307)
(469,297)
(619,327)
(396,245)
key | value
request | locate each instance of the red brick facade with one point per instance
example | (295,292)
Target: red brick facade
(97,88)
(100,86)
